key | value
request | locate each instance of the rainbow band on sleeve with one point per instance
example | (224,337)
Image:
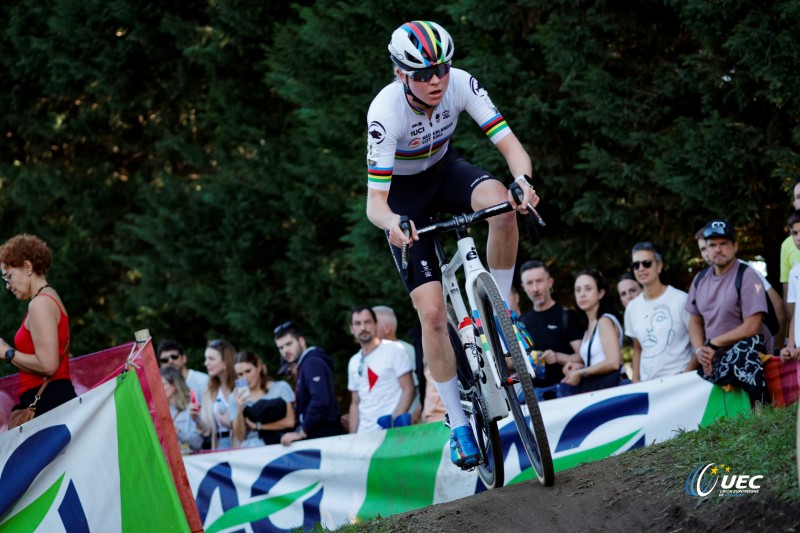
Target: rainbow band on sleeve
(379,175)
(494,125)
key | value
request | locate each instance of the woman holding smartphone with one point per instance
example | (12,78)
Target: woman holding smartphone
(265,407)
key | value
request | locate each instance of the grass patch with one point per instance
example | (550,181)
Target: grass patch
(763,442)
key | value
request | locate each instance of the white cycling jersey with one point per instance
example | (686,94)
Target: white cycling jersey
(400,138)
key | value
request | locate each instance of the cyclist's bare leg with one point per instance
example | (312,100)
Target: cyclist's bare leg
(501,247)
(436,345)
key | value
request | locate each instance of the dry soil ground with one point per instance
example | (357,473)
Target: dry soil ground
(611,495)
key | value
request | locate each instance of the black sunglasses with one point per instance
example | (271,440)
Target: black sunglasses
(426,74)
(647,263)
(361,366)
(173,356)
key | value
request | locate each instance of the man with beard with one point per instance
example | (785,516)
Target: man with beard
(556,331)
(378,377)
(315,398)
(726,326)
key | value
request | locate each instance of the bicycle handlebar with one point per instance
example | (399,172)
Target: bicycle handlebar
(464,221)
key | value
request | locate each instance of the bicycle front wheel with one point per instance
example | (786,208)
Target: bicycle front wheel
(499,331)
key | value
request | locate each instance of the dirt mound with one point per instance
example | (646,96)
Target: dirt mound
(611,495)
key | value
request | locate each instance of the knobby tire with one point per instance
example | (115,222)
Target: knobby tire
(533,435)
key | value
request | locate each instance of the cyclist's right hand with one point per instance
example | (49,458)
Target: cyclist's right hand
(397,236)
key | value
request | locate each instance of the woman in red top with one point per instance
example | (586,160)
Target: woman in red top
(42,342)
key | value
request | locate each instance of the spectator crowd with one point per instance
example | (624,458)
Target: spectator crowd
(722,327)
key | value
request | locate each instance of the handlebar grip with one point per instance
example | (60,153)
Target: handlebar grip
(516,192)
(405,226)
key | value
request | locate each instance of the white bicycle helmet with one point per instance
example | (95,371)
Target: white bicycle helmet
(419,44)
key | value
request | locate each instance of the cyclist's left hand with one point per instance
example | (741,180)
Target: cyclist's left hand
(530,196)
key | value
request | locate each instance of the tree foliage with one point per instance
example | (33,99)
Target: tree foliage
(198,167)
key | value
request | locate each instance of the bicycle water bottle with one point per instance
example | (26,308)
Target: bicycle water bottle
(466,332)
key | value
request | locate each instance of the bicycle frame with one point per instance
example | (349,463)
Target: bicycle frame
(481,361)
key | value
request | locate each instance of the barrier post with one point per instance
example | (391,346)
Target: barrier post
(166,429)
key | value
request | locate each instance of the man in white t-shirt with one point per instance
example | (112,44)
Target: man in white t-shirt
(656,320)
(387,330)
(170,353)
(378,376)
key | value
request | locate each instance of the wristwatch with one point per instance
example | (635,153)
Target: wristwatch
(711,345)
(10,353)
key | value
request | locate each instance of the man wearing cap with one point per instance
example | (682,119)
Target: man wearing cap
(726,326)
(315,396)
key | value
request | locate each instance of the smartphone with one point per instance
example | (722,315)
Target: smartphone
(193,396)
(241,384)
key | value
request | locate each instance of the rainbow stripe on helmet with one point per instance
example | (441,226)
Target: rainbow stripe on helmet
(432,50)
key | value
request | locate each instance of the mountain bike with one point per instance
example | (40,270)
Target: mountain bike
(486,337)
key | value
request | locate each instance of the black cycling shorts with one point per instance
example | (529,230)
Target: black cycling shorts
(446,187)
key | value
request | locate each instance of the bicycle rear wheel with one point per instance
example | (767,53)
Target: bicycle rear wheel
(497,325)
(490,469)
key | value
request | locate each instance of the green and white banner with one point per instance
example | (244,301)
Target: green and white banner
(356,477)
(92,464)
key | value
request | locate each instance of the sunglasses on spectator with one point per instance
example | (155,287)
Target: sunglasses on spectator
(426,74)
(647,263)
(361,366)
(173,356)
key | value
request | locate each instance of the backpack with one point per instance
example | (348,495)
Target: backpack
(771,318)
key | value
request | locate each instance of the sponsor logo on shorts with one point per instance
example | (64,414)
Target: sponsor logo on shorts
(478,180)
(426,270)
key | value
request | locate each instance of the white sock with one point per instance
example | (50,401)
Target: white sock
(451,399)
(504,279)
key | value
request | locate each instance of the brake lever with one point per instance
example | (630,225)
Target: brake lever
(405,227)
(519,197)
(531,218)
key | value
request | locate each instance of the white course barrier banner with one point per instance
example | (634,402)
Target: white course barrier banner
(91,464)
(356,477)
